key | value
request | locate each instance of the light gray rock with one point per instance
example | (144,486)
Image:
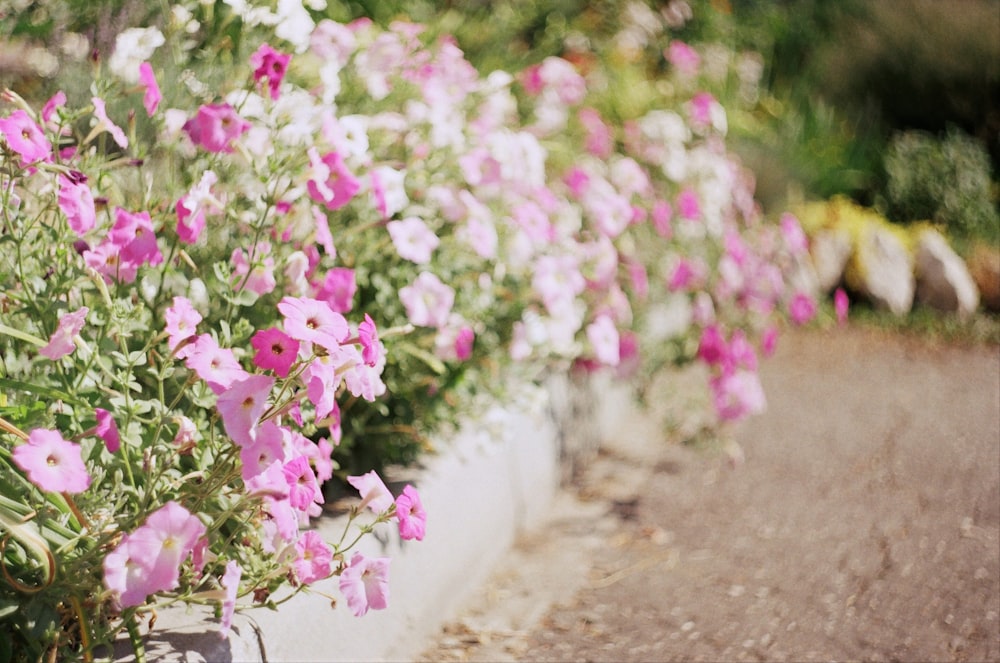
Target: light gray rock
(830,250)
(884,270)
(943,280)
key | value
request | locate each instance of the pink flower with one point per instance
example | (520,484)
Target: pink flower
(688,206)
(61,342)
(463,343)
(191,208)
(684,58)
(427,300)
(315,558)
(604,340)
(269,64)
(276,350)
(77,202)
(413,240)
(388,190)
(56,101)
(135,239)
(264,450)
(686,275)
(104,123)
(712,348)
(231,583)
(52,463)
(365,584)
(802,308)
(151,97)
(313,321)
(737,395)
(769,341)
(303,488)
(25,138)
(107,430)
(840,305)
(600,141)
(215,127)
(337,186)
(126,577)
(662,213)
(338,289)
(241,406)
(705,111)
(374,493)
(371,348)
(411,515)
(217,366)
(182,321)
(254,272)
(794,236)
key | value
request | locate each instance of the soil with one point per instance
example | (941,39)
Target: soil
(858,519)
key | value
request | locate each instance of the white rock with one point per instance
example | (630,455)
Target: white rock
(830,250)
(885,270)
(943,280)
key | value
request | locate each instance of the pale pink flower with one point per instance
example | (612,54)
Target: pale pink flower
(187,432)
(192,208)
(427,300)
(841,305)
(604,340)
(795,237)
(52,463)
(126,576)
(254,271)
(231,583)
(303,488)
(706,112)
(388,190)
(77,202)
(271,65)
(104,123)
(684,58)
(241,406)
(363,380)
(737,395)
(338,289)
(107,430)
(371,348)
(215,365)
(413,240)
(61,342)
(600,140)
(181,323)
(25,138)
(276,350)
(411,515)
(365,584)
(337,186)
(265,449)
(151,97)
(315,558)
(374,493)
(313,321)
(215,126)
(662,213)
(58,100)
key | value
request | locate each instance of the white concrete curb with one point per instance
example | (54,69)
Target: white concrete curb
(479,492)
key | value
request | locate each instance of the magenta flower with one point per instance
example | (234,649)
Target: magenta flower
(77,202)
(276,350)
(241,406)
(61,342)
(338,185)
(769,341)
(134,238)
(107,430)
(413,240)
(688,205)
(151,97)
(314,558)
(25,138)
(182,321)
(712,348)
(365,584)
(338,289)
(411,515)
(52,463)
(215,127)
(269,64)
(104,123)
(840,305)
(464,340)
(313,321)
(802,308)
(374,493)
(371,348)
(427,300)
(231,583)
(217,366)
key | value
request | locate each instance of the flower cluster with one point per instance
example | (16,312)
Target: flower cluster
(218,295)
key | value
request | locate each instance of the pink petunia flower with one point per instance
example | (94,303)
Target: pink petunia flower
(52,463)
(77,202)
(182,321)
(241,406)
(464,340)
(215,365)
(795,237)
(371,348)
(231,583)
(107,430)
(314,559)
(126,577)
(662,213)
(337,184)
(841,305)
(802,308)
(688,205)
(268,64)
(104,123)
(313,321)
(192,208)
(427,300)
(413,240)
(374,493)
(215,126)
(264,450)
(61,342)
(151,97)
(25,138)
(712,348)
(365,584)
(411,515)
(338,289)
(134,238)
(276,350)
(58,100)
(737,394)
(683,58)
(254,272)
(303,488)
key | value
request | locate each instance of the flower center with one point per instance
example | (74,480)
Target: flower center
(51,461)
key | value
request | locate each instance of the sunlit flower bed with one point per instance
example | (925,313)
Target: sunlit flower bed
(225,282)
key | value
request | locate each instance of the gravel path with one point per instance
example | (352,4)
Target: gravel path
(864,524)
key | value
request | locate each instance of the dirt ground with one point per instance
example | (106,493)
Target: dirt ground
(864,524)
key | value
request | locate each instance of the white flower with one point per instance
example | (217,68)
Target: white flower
(133,47)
